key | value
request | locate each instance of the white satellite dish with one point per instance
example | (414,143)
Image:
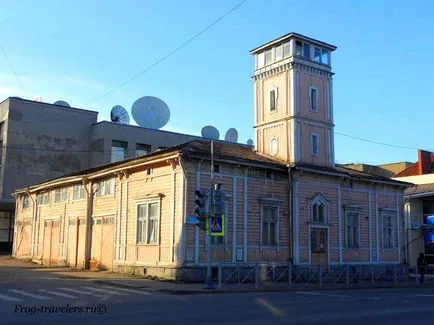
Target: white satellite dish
(231,135)
(210,132)
(150,112)
(119,115)
(61,103)
(250,142)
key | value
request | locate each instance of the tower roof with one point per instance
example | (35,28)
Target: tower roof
(289,36)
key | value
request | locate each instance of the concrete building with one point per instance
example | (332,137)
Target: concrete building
(385,170)
(41,141)
(287,201)
(419,207)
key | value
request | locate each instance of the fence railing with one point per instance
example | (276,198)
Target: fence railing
(285,274)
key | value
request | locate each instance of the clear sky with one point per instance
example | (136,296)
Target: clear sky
(79,50)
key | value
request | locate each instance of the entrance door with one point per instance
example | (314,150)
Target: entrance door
(102,242)
(51,242)
(318,246)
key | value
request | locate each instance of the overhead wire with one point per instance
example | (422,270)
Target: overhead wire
(164,57)
(13,71)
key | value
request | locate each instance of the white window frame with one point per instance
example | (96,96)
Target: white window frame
(278,49)
(46,198)
(81,190)
(270,51)
(392,215)
(61,195)
(25,204)
(314,205)
(313,108)
(312,136)
(276,96)
(349,245)
(101,190)
(260,60)
(288,54)
(273,141)
(275,205)
(315,49)
(145,220)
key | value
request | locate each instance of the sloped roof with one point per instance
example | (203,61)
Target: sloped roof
(419,190)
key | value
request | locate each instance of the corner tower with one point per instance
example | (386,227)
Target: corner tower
(294,100)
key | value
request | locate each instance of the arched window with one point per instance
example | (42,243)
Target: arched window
(274,146)
(319,209)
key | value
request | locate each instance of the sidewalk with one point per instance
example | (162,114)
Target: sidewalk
(172,287)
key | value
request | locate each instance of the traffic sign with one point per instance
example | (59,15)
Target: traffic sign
(193,220)
(217,225)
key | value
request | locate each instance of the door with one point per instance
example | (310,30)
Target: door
(102,242)
(319,246)
(51,242)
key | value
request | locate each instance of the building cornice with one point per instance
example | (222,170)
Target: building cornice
(305,120)
(293,63)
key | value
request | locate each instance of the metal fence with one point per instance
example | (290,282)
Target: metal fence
(287,275)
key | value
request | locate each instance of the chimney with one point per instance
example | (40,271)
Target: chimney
(424,162)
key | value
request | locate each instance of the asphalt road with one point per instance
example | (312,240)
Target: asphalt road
(27,297)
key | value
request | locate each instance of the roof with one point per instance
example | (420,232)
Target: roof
(233,153)
(223,151)
(421,190)
(292,35)
(48,104)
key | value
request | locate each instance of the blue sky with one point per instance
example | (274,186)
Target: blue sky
(79,50)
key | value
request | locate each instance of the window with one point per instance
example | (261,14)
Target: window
(216,168)
(298,47)
(317,55)
(268,57)
(78,192)
(314,143)
(352,229)
(273,100)
(274,146)
(260,58)
(279,53)
(119,150)
(388,238)
(26,202)
(319,212)
(286,50)
(269,225)
(142,149)
(105,187)
(313,99)
(148,215)
(43,198)
(306,51)
(60,195)
(325,57)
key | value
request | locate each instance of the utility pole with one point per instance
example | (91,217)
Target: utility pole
(208,281)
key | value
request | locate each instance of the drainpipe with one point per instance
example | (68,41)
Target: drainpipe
(34,217)
(290,217)
(88,230)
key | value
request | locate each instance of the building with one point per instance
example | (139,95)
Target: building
(41,141)
(385,170)
(286,198)
(419,206)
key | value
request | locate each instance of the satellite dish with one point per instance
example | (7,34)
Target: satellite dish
(250,142)
(119,115)
(231,135)
(61,103)
(210,132)
(150,112)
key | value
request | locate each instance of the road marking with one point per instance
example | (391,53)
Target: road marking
(9,298)
(82,292)
(130,290)
(322,294)
(274,311)
(106,291)
(30,295)
(58,293)
(47,278)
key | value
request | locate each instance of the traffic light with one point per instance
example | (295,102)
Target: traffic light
(202,207)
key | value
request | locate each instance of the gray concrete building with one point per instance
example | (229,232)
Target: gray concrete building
(41,141)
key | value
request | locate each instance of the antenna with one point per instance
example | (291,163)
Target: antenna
(119,115)
(150,112)
(61,103)
(210,132)
(231,135)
